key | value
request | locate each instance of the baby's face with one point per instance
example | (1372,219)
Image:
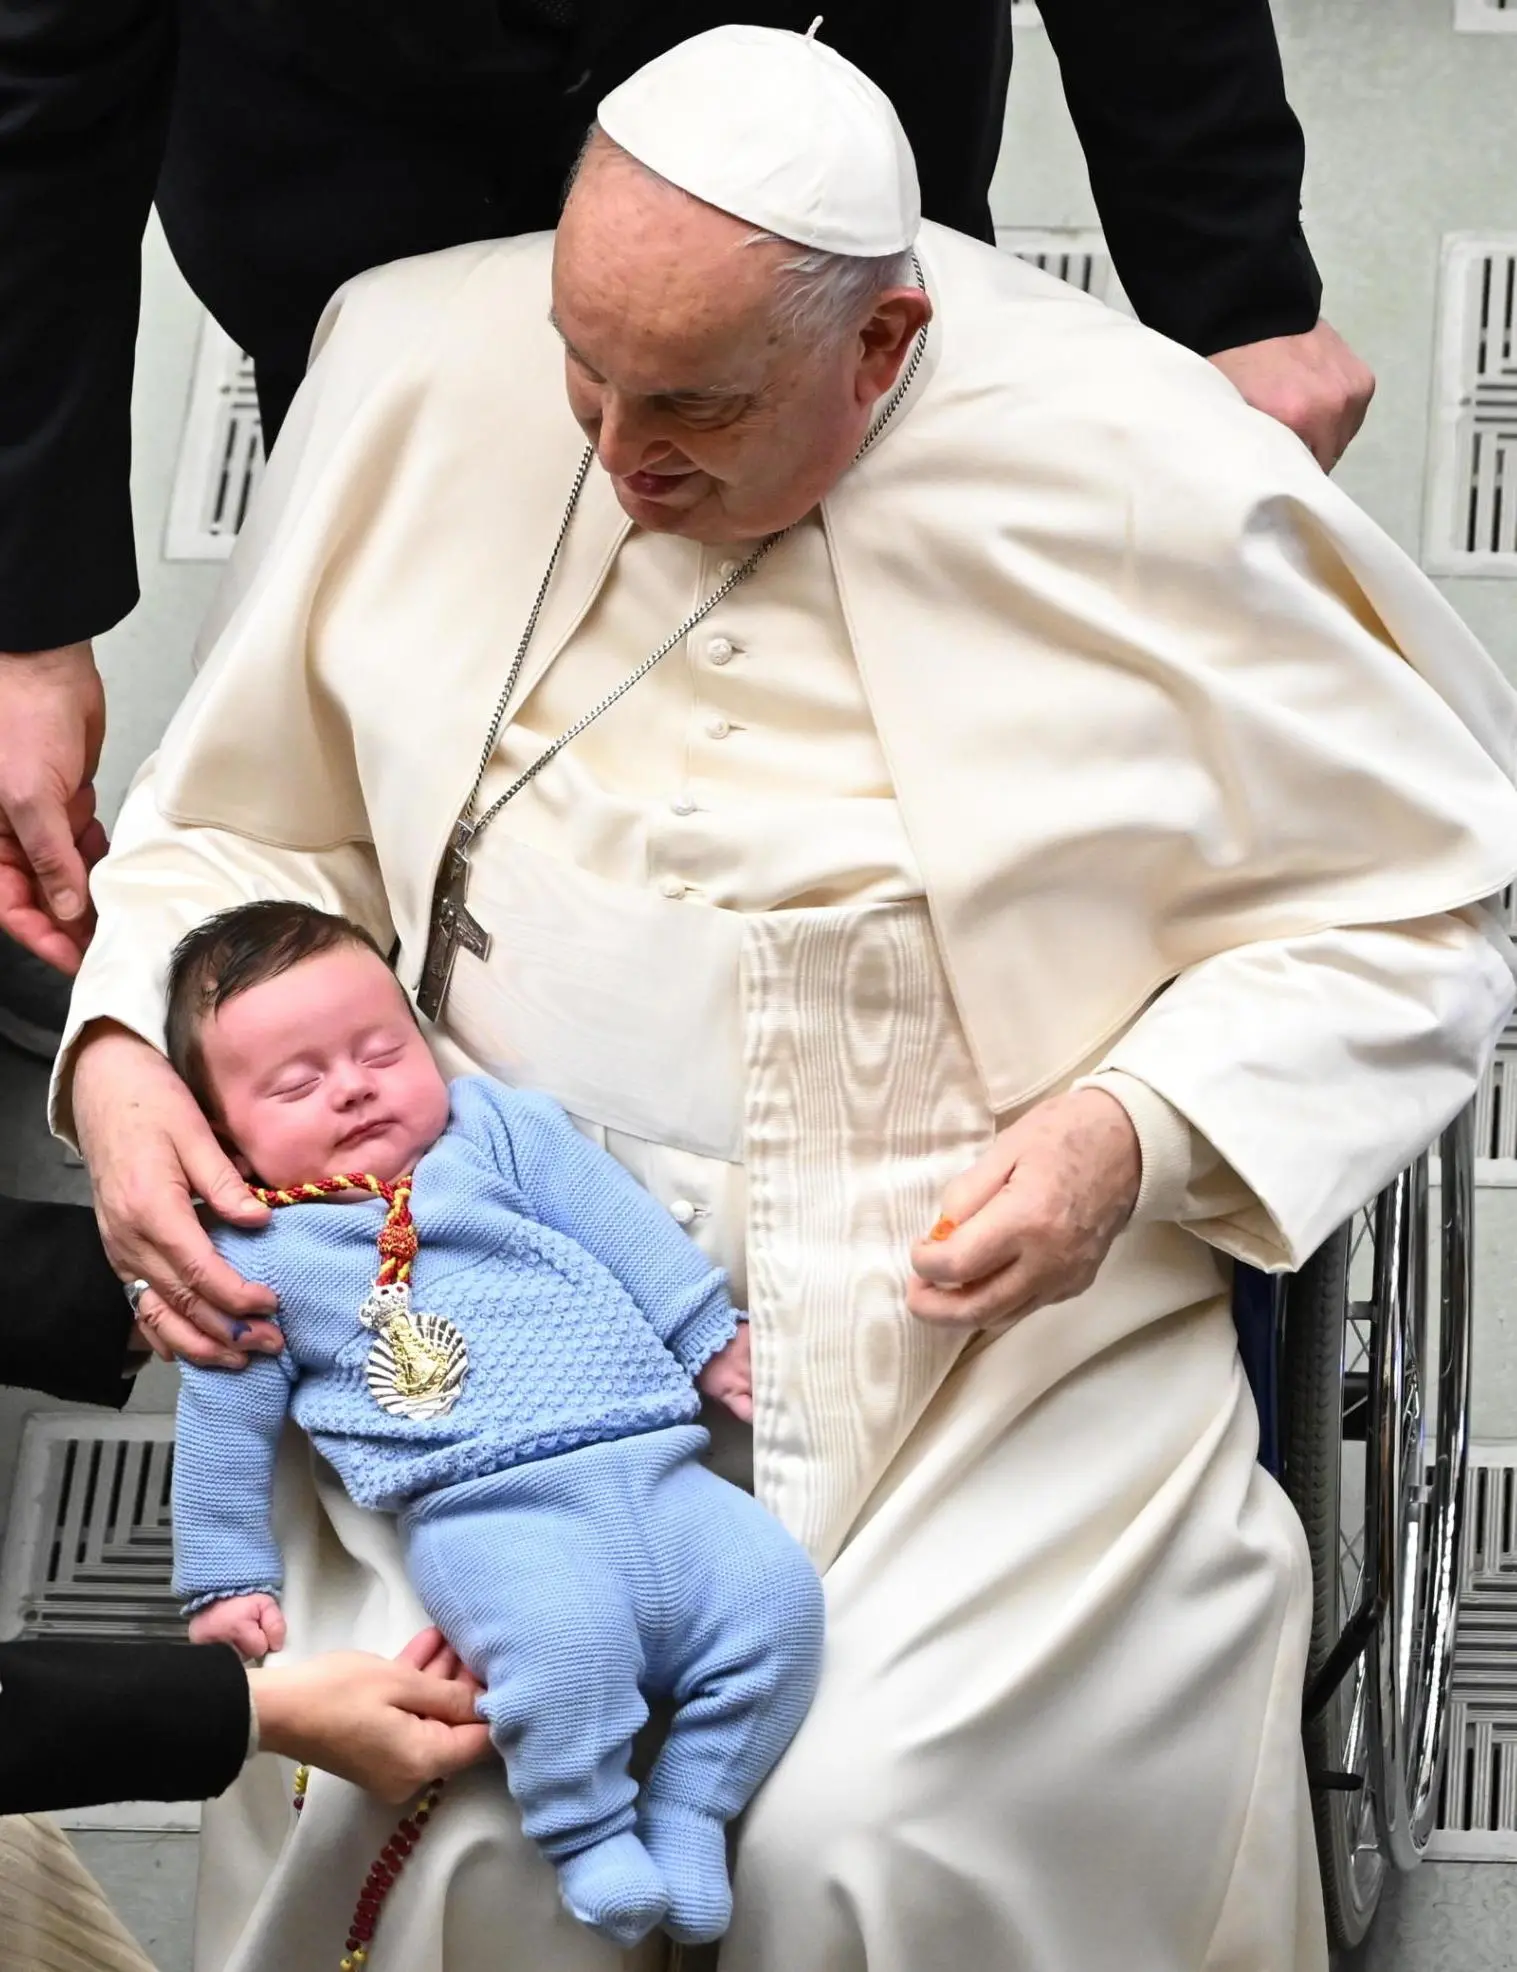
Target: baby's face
(322,1070)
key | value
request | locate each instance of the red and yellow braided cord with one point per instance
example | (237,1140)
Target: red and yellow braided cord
(397,1236)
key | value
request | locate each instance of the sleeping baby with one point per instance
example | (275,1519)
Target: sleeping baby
(494,1333)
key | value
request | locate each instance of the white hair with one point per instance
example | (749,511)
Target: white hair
(822,296)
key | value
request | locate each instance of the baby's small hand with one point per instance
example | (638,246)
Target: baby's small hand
(252,1624)
(728,1377)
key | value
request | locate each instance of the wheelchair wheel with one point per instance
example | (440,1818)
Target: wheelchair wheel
(1376,1413)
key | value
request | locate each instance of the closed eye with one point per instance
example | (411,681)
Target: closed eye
(295,1091)
(704,414)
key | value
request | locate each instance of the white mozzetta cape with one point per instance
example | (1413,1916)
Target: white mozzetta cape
(1149,686)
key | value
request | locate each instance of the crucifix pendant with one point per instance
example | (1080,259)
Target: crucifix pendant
(453,924)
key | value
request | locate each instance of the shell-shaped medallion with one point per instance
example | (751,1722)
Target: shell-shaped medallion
(417,1365)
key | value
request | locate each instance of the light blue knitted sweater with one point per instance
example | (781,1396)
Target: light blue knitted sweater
(586,1310)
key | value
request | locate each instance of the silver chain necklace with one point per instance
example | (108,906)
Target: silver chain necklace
(453,926)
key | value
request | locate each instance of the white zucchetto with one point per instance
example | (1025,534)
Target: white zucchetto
(777,129)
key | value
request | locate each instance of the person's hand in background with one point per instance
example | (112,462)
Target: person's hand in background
(52,726)
(1312,383)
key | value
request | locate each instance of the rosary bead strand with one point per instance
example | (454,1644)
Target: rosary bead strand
(382,1873)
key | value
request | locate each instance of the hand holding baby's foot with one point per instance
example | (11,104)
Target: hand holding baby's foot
(728,1377)
(252,1624)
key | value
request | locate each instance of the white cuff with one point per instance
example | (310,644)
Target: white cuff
(254,1737)
(1166,1142)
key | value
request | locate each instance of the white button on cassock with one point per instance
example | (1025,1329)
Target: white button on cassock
(682,1212)
(683,804)
(721,649)
(727,569)
(718,728)
(671,886)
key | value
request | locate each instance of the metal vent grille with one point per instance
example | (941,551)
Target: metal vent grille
(1074,254)
(1477,1812)
(220,455)
(1496,1114)
(1485,16)
(1496,1118)
(1470,525)
(89,1550)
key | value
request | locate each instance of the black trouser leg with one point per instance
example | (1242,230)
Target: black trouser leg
(64,1322)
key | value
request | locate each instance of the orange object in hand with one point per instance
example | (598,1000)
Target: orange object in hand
(944,1229)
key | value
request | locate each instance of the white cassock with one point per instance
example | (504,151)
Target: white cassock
(909,831)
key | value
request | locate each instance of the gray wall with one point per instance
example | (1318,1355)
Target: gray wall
(1411,134)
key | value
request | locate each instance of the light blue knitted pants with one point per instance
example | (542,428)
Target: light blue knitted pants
(578,1586)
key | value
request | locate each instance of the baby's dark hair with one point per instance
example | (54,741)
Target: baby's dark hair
(232,952)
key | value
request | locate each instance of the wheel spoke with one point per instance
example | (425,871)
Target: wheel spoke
(1411,1397)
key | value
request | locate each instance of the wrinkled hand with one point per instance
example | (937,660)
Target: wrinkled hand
(252,1624)
(150,1153)
(1313,383)
(387,1725)
(1032,1221)
(52,725)
(728,1377)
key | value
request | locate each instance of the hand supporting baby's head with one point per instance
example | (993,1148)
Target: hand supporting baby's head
(298,1042)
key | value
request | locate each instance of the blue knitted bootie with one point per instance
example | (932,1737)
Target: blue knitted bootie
(614,1888)
(690,1850)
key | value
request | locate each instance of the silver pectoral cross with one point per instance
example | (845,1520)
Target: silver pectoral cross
(453,924)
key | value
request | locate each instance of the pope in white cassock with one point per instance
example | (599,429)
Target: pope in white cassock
(1055,808)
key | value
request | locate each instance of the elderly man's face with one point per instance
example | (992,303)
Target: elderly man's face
(713,420)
